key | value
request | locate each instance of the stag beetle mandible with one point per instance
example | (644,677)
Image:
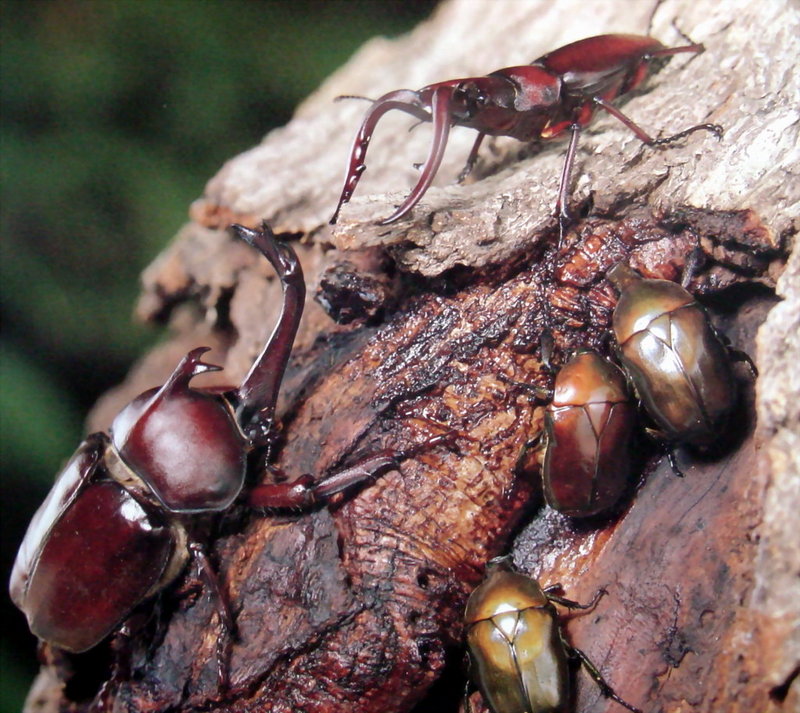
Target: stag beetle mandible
(559,92)
(127,512)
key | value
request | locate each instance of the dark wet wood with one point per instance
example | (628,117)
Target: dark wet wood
(358,606)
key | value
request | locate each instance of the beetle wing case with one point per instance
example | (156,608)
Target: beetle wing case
(677,363)
(516,655)
(90,555)
(588,427)
(515,646)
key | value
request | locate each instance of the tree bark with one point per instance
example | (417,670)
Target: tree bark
(357,606)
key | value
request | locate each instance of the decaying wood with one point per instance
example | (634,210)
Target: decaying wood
(357,606)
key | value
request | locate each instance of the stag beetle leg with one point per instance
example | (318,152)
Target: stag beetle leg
(471,159)
(644,137)
(562,209)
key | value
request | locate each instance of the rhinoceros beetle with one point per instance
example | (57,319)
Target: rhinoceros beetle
(678,364)
(518,653)
(588,426)
(129,509)
(559,92)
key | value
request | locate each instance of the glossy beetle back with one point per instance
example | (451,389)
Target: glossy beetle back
(512,632)
(588,426)
(90,555)
(183,443)
(645,301)
(680,368)
(601,54)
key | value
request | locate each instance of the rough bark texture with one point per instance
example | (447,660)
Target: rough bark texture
(357,607)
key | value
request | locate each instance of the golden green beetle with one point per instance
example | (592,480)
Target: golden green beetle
(518,654)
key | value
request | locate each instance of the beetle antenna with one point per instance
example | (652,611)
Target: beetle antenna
(652,17)
(353,96)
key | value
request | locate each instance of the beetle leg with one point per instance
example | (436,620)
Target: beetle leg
(305,492)
(226,623)
(103,702)
(694,262)
(471,159)
(569,603)
(562,209)
(739,355)
(256,397)
(402,99)
(547,345)
(597,677)
(466,702)
(661,439)
(540,393)
(643,136)
(440,114)
(734,353)
(535,444)
(673,462)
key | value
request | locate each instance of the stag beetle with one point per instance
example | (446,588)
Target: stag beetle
(559,92)
(518,653)
(678,364)
(127,512)
(588,425)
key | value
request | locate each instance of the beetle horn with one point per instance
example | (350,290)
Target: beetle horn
(403,99)
(190,366)
(440,112)
(254,401)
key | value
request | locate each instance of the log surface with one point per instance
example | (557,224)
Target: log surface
(357,606)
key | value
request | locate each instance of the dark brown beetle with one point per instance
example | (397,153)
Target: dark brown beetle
(518,653)
(559,92)
(588,426)
(679,366)
(127,512)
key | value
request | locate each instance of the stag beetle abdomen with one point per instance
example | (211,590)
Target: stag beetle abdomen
(591,62)
(184,443)
(677,363)
(588,426)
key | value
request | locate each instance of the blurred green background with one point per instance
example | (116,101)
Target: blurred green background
(114,114)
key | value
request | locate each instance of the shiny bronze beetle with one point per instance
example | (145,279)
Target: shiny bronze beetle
(677,362)
(518,653)
(588,426)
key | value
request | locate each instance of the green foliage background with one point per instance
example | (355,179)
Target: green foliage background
(114,115)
